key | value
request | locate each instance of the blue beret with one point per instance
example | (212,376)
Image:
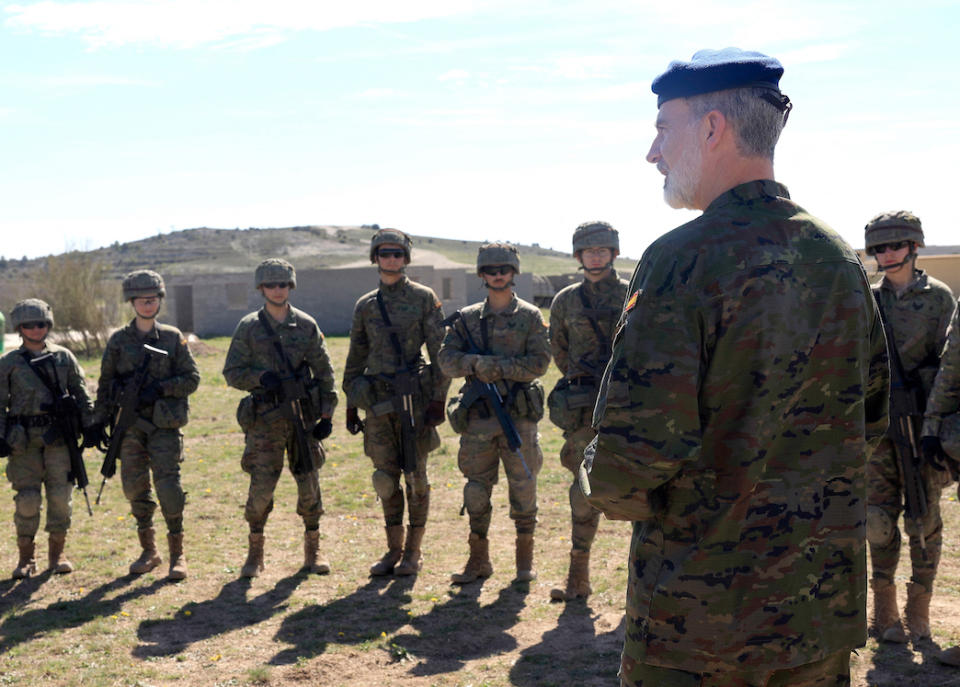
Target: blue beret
(717,70)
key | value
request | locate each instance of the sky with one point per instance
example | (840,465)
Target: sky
(476,119)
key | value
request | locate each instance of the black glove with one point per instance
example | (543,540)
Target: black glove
(933,453)
(5,449)
(92,435)
(434,414)
(270,380)
(150,394)
(322,429)
(354,423)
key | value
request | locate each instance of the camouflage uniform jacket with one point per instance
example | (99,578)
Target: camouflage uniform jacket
(919,317)
(944,399)
(748,381)
(517,335)
(23,393)
(252,353)
(176,374)
(576,348)
(416,317)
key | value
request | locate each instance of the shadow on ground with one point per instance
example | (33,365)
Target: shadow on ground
(895,665)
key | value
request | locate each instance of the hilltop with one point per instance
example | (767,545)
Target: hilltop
(207,250)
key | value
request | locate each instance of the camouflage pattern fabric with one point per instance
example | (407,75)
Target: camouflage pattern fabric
(919,317)
(161,450)
(748,382)
(944,398)
(251,353)
(579,354)
(518,342)
(415,315)
(33,463)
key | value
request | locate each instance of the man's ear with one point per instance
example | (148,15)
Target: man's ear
(713,127)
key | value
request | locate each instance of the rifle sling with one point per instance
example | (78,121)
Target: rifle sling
(275,340)
(53,385)
(897,373)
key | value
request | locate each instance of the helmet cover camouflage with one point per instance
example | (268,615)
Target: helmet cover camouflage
(31,310)
(498,254)
(275,270)
(888,227)
(595,235)
(143,283)
(394,236)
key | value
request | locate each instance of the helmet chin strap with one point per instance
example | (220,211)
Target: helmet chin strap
(909,256)
(508,285)
(596,270)
(399,271)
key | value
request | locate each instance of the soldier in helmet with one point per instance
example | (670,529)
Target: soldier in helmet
(917,309)
(37,457)
(390,326)
(500,341)
(154,445)
(274,349)
(583,318)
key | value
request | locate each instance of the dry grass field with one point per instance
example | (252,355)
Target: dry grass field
(100,626)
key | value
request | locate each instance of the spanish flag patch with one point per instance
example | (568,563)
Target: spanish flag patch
(632,302)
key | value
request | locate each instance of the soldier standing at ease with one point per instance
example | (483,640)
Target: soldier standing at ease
(917,309)
(36,457)
(583,317)
(155,443)
(390,325)
(511,352)
(941,428)
(748,382)
(266,346)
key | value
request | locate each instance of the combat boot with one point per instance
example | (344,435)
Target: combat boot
(885,613)
(59,565)
(950,657)
(525,571)
(178,562)
(917,611)
(412,559)
(394,552)
(312,562)
(478,564)
(26,566)
(578,579)
(149,558)
(253,566)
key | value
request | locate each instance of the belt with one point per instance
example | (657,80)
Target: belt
(29,421)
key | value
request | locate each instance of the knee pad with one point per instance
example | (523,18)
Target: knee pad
(28,503)
(385,484)
(476,498)
(880,527)
(420,488)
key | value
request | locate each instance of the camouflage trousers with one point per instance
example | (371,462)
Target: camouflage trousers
(885,504)
(832,671)
(266,443)
(159,452)
(482,448)
(382,443)
(585,518)
(33,465)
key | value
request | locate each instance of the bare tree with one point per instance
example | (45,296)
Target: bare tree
(86,305)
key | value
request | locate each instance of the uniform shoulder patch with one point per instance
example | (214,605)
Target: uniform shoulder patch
(632,302)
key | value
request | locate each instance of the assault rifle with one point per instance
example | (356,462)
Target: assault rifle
(294,406)
(126,415)
(488,392)
(405,385)
(907,403)
(66,422)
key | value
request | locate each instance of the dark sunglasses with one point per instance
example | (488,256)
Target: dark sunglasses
(34,325)
(390,253)
(895,245)
(493,270)
(276,285)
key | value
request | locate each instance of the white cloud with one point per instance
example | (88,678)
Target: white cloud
(189,23)
(83,80)
(454,75)
(376,94)
(826,52)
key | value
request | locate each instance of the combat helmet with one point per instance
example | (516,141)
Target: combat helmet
(498,254)
(394,236)
(595,235)
(143,284)
(31,310)
(888,227)
(275,270)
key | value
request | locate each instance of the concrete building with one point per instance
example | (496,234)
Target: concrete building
(212,304)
